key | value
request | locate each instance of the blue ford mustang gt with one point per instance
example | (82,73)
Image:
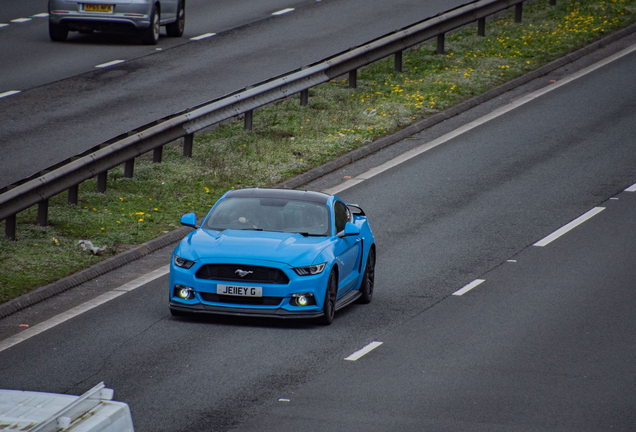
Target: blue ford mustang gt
(274,253)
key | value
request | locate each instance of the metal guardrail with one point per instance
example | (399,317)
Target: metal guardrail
(183,125)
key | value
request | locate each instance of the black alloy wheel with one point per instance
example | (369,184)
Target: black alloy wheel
(176,28)
(329,308)
(368,279)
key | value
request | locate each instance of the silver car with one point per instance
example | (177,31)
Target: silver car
(128,16)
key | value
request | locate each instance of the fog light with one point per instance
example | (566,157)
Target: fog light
(302,301)
(184,292)
(305,299)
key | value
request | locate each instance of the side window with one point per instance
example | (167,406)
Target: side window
(342,215)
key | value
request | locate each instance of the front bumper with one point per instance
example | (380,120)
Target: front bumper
(243,312)
(275,301)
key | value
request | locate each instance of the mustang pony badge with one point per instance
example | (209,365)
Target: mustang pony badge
(243,273)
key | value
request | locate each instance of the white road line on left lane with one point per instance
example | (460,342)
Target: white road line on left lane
(84,307)
(632,188)
(20,20)
(111,63)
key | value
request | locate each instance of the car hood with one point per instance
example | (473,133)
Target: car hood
(293,249)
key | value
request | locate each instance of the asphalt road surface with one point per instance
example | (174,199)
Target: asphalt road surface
(67,104)
(544,343)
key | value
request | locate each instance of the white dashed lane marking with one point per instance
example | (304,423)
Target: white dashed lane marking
(9,93)
(284,11)
(111,63)
(576,222)
(468,287)
(203,36)
(367,349)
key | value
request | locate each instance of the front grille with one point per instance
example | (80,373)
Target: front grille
(228,272)
(255,301)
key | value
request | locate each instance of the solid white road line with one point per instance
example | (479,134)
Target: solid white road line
(111,63)
(3,25)
(472,125)
(367,349)
(58,319)
(41,15)
(20,20)
(84,307)
(284,11)
(468,287)
(632,188)
(576,222)
(9,93)
(203,36)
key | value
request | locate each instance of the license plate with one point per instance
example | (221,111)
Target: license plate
(235,290)
(97,7)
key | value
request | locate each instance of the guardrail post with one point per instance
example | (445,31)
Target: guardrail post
(249,120)
(304,97)
(102,178)
(481,27)
(353,78)
(440,43)
(73,193)
(157,154)
(9,227)
(398,61)
(43,212)
(129,168)
(519,12)
(187,145)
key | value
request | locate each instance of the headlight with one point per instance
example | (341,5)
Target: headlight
(310,270)
(182,262)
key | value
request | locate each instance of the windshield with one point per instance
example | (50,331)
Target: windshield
(270,214)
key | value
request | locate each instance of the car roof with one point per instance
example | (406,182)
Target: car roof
(289,194)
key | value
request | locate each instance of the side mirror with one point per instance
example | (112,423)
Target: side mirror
(350,230)
(190,220)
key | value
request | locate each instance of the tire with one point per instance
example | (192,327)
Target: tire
(329,307)
(57,33)
(150,36)
(368,279)
(176,28)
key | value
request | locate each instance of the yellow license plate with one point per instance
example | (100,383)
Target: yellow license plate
(97,8)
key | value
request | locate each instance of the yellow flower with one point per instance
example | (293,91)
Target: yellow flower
(141,220)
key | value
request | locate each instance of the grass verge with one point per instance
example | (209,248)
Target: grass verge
(288,139)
